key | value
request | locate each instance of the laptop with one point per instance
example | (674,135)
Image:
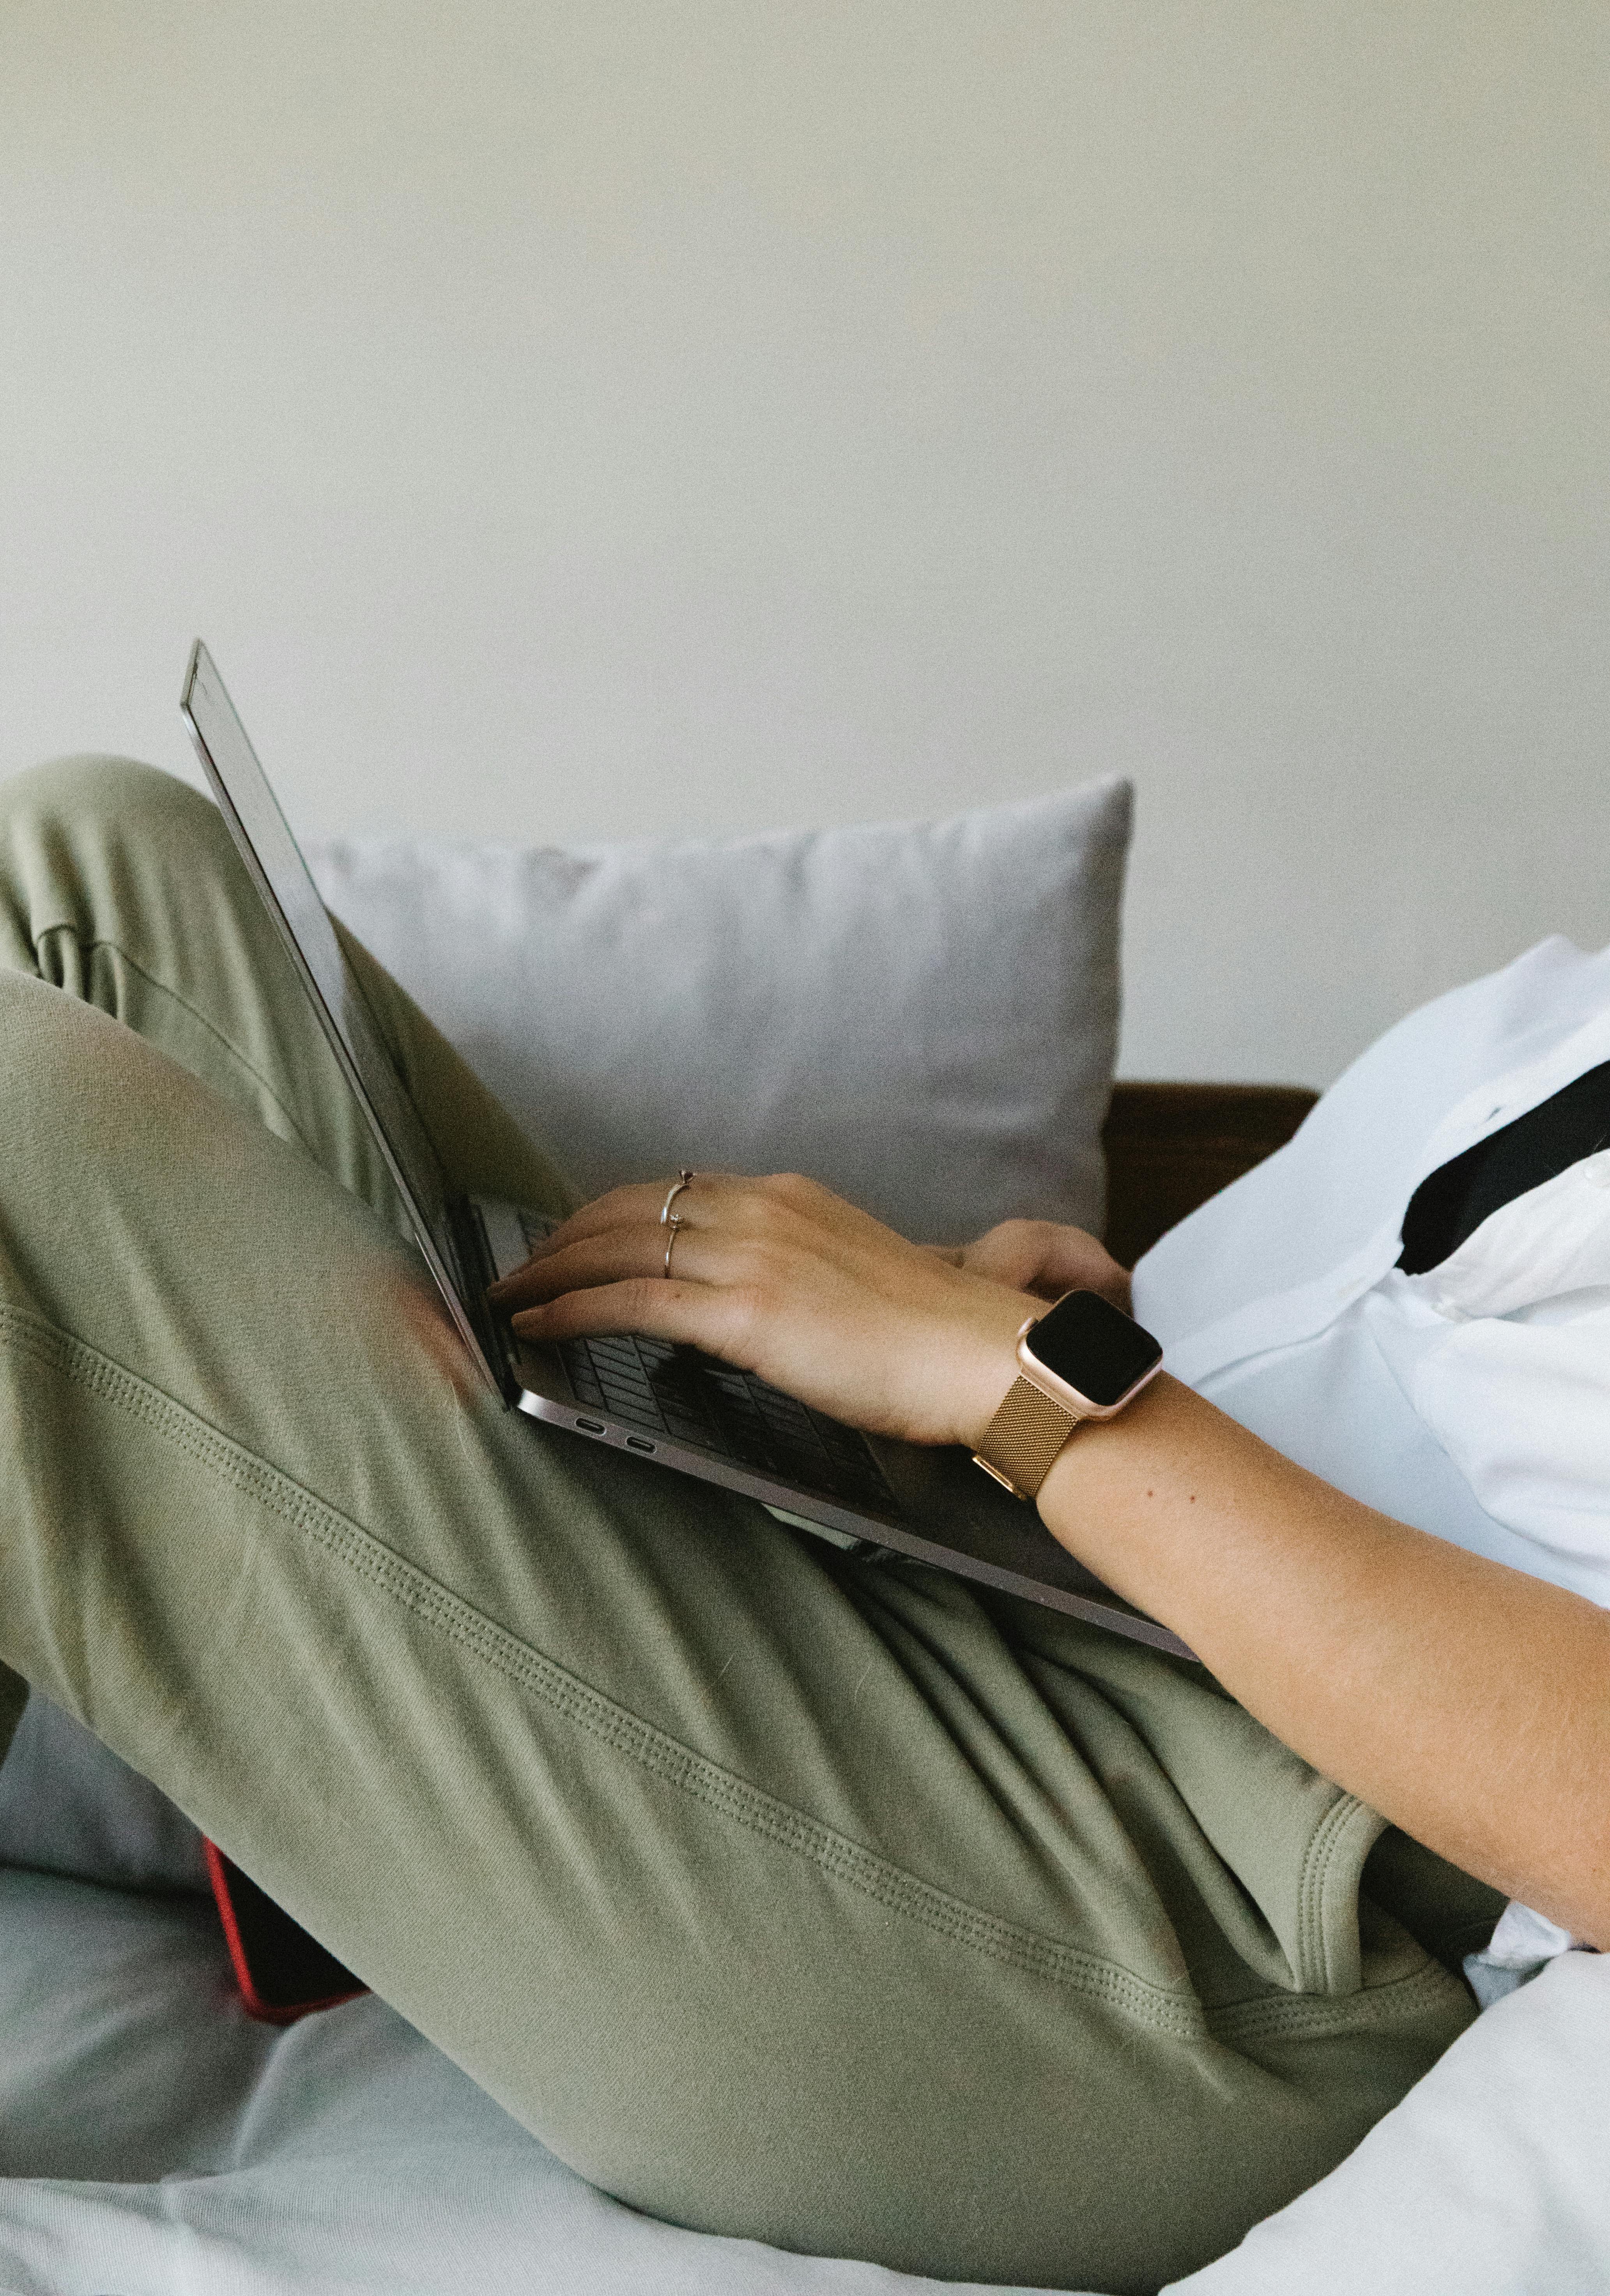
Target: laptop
(671,1407)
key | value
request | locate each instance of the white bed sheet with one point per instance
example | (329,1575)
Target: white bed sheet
(155,2142)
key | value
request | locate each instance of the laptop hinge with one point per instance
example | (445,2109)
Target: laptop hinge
(475,1257)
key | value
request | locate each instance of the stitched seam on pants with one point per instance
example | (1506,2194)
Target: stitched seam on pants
(1310,1897)
(652,1749)
(1310,2013)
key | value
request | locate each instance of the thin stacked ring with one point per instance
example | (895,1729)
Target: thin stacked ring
(669,1220)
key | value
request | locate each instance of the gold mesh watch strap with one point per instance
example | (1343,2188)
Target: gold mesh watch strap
(1024,1437)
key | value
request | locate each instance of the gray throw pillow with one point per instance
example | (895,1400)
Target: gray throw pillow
(925,1017)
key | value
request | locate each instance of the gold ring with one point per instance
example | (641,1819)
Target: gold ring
(673,1224)
(685,1179)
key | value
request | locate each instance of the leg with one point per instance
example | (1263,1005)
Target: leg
(120,885)
(778,1894)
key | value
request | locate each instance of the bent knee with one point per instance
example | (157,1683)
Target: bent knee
(82,838)
(110,795)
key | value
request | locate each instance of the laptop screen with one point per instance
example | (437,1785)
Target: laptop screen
(282,879)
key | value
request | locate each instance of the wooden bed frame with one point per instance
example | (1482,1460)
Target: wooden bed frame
(1170,1146)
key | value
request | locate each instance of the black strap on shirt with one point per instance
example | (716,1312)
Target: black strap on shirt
(1451,1203)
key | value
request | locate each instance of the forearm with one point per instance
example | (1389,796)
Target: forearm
(1468,1703)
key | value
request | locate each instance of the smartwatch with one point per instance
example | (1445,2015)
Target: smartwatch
(1084,1359)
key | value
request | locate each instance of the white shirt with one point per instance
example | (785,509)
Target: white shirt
(1473,1400)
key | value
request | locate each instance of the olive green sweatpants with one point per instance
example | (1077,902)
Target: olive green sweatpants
(781,1893)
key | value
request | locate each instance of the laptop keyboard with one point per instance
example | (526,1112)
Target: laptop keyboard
(681,1393)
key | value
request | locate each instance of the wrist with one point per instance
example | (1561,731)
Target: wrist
(989,1364)
(1081,1360)
(1082,1464)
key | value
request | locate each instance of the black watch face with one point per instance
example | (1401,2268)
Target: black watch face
(1095,1348)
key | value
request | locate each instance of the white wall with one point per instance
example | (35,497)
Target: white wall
(641,415)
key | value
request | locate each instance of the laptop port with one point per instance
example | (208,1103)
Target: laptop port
(591,1426)
(639,1443)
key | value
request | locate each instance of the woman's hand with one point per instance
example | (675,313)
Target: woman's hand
(1038,1257)
(782,1277)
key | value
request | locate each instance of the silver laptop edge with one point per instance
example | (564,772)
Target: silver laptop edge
(274,863)
(992,1537)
